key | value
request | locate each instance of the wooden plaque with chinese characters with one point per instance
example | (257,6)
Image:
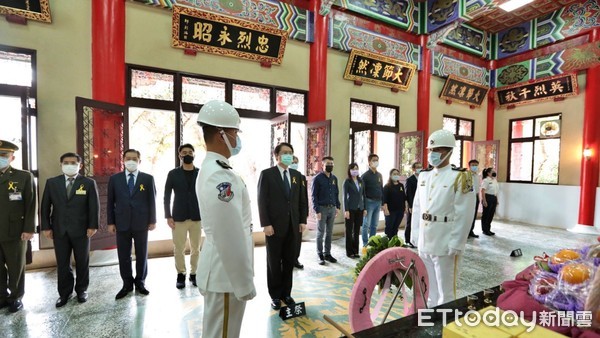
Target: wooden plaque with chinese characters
(222,35)
(31,9)
(379,70)
(464,91)
(544,89)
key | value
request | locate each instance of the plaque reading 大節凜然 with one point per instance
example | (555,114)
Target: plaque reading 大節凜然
(379,70)
(222,35)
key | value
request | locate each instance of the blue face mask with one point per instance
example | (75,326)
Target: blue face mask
(435,159)
(287,159)
(474,168)
(4,162)
(238,144)
(293,166)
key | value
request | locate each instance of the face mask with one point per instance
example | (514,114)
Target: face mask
(493,174)
(329,168)
(238,144)
(294,166)
(435,158)
(131,166)
(188,159)
(70,169)
(474,168)
(375,164)
(287,159)
(418,171)
(395,177)
(354,172)
(4,162)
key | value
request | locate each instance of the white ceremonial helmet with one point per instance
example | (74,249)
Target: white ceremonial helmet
(441,138)
(219,114)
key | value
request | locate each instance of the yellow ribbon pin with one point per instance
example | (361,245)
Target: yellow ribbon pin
(80,188)
(11,186)
(294,180)
(142,187)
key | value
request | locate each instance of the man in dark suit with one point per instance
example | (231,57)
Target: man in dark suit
(17,226)
(131,212)
(70,214)
(411,189)
(282,207)
(294,166)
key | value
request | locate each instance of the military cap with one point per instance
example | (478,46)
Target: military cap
(8,146)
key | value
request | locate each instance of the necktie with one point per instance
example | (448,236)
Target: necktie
(286,184)
(130,184)
(69,186)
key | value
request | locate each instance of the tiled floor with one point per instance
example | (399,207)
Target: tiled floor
(169,312)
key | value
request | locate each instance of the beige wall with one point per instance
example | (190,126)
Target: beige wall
(571,135)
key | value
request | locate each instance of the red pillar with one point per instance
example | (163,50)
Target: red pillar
(423,93)
(591,141)
(491,105)
(317,78)
(108,51)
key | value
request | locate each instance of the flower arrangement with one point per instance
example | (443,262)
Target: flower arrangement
(376,245)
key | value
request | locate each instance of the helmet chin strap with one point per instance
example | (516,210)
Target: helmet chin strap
(447,155)
(226,139)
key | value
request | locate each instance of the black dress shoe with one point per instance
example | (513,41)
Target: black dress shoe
(82,297)
(123,292)
(298,265)
(472,235)
(489,233)
(180,284)
(321,259)
(193,280)
(330,258)
(275,304)
(62,301)
(15,306)
(142,289)
(4,304)
(356,256)
(289,301)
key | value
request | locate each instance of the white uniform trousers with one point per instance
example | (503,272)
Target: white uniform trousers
(443,278)
(223,314)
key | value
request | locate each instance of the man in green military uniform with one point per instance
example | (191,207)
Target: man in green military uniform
(17,225)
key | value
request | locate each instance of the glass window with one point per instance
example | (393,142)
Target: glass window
(362,149)
(15,69)
(151,85)
(200,91)
(463,132)
(191,133)
(290,103)
(360,112)
(252,98)
(11,126)
(465,128)
(386,116)
(535,152)
(449,124)
(152,132)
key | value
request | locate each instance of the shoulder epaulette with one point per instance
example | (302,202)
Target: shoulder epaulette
(459,169)
(224,165)
(427,169)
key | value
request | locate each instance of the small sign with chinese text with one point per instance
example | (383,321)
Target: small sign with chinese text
(544,89)
(464,91)
(292,311)
(379,70)
(217,34)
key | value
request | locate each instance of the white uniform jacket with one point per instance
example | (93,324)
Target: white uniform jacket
(443,207)
(226,260)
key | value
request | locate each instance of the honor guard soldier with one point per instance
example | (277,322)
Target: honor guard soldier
(17,226)
(442,213)
(226,271)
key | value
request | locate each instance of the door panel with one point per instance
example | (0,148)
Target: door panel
(318,145)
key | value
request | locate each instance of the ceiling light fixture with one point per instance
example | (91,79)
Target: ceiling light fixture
(511,5)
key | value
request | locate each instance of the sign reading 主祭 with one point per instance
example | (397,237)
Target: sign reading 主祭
(379,70)
(31,9)
(464,91)
(541,90)
(292,311)
(217,34)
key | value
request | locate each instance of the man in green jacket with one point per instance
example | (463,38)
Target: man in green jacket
(17,226)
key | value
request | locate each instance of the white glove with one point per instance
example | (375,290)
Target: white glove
(453,252)
(249,296)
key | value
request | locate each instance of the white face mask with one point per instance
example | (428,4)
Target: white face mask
(131,165)
(374,164)
(70,169)
(293,166)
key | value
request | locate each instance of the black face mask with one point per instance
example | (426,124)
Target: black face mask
(328,168)
(493,174)
(188,159)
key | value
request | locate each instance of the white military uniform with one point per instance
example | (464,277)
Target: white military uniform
(226,270)
(443,205)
